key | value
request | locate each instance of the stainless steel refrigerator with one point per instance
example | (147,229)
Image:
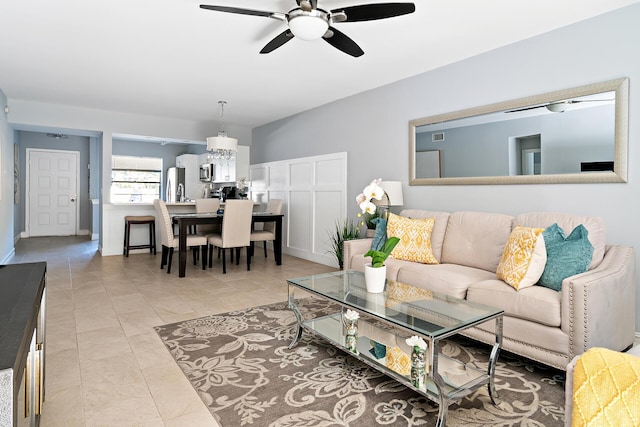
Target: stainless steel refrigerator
(175,185)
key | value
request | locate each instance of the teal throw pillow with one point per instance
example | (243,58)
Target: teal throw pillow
(566,256)
(380,237)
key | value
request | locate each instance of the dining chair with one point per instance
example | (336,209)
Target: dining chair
(207,206)
(268,232)
(170,241)
(235,233)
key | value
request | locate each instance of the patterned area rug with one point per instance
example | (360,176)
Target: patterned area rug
(240,365)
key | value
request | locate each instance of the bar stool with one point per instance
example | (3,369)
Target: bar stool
(145,219)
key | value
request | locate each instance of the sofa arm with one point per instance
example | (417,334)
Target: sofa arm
(354,247)
(598,307)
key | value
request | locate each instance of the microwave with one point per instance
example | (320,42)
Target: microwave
(207,172)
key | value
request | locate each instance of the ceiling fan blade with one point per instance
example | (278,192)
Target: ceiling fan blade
(277,41)
(344,43)
(371,12)
(575,101)
(243,11)
(525,109)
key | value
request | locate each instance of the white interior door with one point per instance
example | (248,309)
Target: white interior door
(52,208)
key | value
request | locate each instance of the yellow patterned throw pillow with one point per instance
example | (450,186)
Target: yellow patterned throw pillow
(398,361)
(397,293)
(606,389)
(524,258)
(415,238)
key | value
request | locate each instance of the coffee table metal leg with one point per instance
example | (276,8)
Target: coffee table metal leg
(495,351)
(443,401)
(294,308)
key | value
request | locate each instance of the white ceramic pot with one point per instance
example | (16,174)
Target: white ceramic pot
(375,278)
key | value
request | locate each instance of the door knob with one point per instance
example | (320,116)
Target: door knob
(73,198)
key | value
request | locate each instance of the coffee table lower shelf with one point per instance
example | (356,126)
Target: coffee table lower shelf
(459,379)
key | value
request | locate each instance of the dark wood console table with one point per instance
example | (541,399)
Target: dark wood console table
(22,343)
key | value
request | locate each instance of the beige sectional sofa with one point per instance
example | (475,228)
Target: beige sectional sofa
(595,308)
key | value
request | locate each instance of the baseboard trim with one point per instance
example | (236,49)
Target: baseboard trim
(9,256)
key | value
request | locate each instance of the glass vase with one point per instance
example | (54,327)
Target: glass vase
(351,335)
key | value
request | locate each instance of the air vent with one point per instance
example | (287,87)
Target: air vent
(437,137)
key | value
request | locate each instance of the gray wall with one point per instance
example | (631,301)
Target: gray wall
(167,152)
(25,140)
(6,183)
(373,126)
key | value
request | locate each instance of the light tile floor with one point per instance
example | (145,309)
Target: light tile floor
(105,364)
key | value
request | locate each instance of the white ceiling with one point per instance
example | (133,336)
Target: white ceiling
(172,59)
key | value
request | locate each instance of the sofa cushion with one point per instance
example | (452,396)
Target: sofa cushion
(415,238)
(450,279)
(566,255)
(523,259)
(594,225)
(439,227)
(476,239)
(543,343)
(536,303)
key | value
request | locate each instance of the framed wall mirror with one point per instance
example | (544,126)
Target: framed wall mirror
(577,135)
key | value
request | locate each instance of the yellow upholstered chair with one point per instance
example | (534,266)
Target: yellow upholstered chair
(603,389)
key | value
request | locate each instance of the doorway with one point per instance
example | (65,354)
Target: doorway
(52,192)
(525,155)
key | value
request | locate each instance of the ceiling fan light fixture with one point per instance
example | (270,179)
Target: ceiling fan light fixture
(558,107)
(310,25)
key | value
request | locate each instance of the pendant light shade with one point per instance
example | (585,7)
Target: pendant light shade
(222,143)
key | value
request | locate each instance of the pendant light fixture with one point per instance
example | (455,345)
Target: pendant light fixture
(222,146)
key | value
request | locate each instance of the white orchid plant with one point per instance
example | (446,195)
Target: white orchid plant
(371,192)
(351,315)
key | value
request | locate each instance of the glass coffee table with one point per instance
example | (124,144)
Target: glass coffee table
(388,318)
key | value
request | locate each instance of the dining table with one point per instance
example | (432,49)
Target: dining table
(184,222)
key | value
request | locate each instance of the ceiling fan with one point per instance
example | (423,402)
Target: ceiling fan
(559,106)
(308,22)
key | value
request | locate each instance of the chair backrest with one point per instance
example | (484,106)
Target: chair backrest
(236,223)
(207,205)
(166,226)
(274,206)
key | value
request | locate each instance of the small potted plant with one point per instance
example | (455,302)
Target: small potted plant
(343,231)
(376,272)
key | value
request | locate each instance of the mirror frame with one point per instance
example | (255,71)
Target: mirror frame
(621,88)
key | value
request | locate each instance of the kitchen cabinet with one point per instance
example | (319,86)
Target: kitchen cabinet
(22,338)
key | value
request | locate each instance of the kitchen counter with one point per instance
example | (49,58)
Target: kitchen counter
(113,222)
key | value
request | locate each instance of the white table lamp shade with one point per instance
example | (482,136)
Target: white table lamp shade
(393,194)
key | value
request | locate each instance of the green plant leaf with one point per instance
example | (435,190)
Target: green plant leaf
(379,257)
(343,231)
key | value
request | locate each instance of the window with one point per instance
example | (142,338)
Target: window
(135,179)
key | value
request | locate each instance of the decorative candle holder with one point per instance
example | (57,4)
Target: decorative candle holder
(350,319)
(418,361)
